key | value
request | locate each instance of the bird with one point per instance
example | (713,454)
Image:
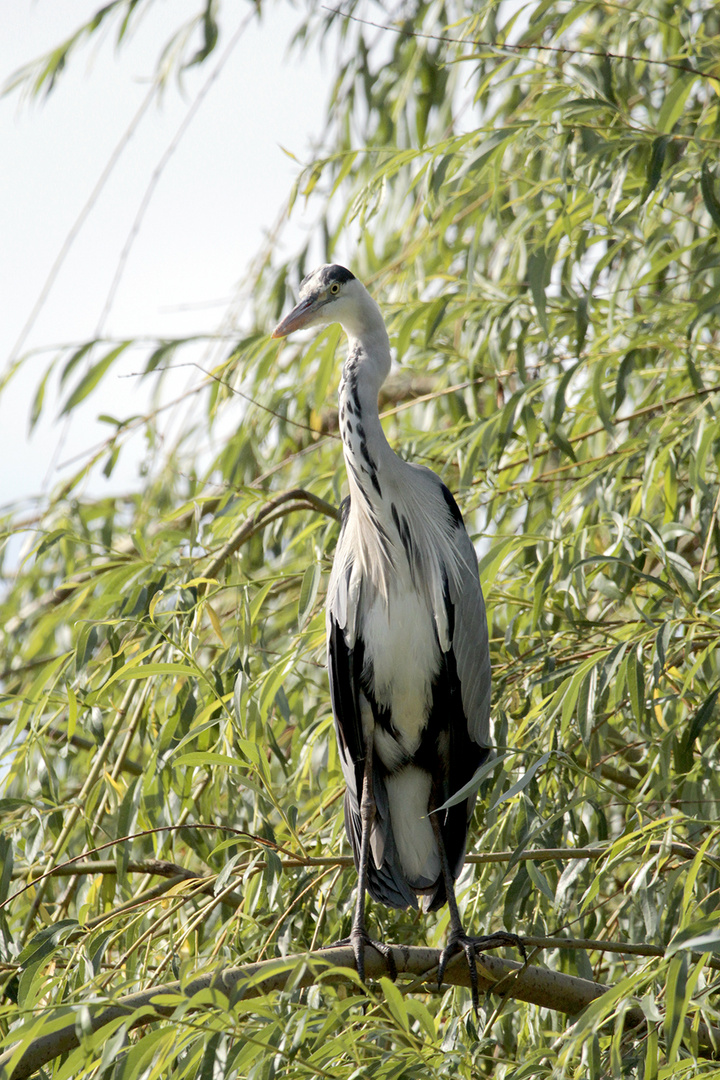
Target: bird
(407,646)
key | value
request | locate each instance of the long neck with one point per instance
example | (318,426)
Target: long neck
(367,452)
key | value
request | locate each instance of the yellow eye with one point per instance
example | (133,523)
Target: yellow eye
(335,288)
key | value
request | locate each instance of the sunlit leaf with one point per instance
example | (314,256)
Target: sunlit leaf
(92,377)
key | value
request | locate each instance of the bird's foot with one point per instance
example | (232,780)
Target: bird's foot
(500,937)
(362,939)
(460,941)
(359,939)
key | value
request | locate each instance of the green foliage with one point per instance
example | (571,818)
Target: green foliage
(540,223)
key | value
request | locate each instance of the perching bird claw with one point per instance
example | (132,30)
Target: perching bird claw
(359,939)
(471,946)
(359,943)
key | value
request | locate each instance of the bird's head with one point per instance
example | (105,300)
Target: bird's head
(329,294)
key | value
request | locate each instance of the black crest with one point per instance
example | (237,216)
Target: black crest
(325,275)
(336,273)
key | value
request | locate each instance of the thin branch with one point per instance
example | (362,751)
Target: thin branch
(304,500)
(211,376)
(622,948)
(682,851)
(501,47)
(708,538)
(81,865)
(301,499)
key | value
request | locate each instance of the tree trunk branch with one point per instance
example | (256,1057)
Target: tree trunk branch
(549,989)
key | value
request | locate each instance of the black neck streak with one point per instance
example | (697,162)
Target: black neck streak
(360,461)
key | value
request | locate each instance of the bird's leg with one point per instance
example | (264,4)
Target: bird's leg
(359,937)
(458,939)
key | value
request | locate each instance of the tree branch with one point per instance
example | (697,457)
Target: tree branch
(548,989)
(290,861)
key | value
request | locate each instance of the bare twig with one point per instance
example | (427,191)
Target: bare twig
(708,538)
(300,500)
(504,46)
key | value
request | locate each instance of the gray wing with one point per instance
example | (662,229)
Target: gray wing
(345,665)
(469,632)
(460,712)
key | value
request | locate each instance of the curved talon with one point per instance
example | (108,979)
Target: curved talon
(359,939)
(359,951)
(472,945)
(454,945)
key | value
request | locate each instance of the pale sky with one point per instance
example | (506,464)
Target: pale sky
(221,191)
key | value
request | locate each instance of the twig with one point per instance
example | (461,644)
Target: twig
(303,500)
(708,538)
(503,46)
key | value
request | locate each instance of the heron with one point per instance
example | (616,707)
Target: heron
(407,646)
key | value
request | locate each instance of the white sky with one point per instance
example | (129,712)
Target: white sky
(221,191)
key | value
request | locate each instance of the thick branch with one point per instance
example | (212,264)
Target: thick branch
(548,989)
